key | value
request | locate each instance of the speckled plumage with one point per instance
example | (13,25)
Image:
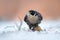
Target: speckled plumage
(33,18)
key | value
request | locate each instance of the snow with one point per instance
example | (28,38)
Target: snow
(29,36)
(52,32)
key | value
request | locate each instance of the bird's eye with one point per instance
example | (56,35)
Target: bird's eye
(32,13)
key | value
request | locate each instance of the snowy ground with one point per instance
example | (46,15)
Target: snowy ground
(52,32)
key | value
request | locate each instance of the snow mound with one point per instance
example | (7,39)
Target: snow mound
(50,31)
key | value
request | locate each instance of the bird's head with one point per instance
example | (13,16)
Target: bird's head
(34,13)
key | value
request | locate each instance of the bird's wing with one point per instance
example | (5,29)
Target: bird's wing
(25,18)
(39,18)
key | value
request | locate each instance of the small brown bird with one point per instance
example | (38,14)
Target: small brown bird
(33,18)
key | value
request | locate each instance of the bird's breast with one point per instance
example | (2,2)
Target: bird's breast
(33,19)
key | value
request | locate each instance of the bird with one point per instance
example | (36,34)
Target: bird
(33,18)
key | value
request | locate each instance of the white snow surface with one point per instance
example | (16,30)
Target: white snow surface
(50,31)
